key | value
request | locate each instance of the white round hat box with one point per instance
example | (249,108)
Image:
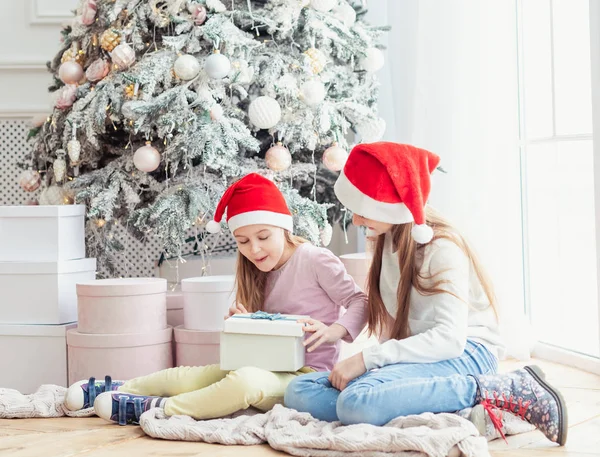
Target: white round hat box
(206,301)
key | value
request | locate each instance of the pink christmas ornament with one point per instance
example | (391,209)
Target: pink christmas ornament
(123,56)
(335,157)
(70,72)
(146,158)
(66,96)
(278,158)
(199,14)
(88,12)
(97,70)
(30,180)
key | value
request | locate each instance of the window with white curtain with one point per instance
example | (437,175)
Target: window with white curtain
(558,173)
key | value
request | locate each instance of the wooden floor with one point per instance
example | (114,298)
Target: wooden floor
(93,437)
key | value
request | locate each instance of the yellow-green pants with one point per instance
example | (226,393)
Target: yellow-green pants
(208,392)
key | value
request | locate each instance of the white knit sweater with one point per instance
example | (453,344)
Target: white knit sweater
(439,324)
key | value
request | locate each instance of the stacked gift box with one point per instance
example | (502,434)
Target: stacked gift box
(42,257)
(122,329)
(206,302)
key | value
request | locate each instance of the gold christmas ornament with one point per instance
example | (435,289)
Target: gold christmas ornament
(315,60)
(110,39)
(72,55)
(129,91)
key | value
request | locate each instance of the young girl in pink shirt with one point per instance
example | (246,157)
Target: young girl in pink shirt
(277,272)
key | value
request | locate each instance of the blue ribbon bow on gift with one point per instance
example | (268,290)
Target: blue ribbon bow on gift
(264,315)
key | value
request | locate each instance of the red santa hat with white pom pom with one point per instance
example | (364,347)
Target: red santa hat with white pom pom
(252,200)
(389,182)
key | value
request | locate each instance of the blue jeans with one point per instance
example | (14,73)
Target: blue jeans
(401,389)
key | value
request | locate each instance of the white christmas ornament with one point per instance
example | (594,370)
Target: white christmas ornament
(74,150)
(186,67)
(216,112)
(264,112)
(312,92)
(278,157)
(60,166)
(123,56)
(371,130)
(334,157)
(323,5)
(345,13)
(30,180)
(146,158)
(373,60)
(217,65)
(70,72)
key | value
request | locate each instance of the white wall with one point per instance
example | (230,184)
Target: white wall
(29,33)
(450,86)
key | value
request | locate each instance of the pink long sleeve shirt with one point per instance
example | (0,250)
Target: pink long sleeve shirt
(314,282)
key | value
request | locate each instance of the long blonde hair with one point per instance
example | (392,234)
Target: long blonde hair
(250,281)
(411,277)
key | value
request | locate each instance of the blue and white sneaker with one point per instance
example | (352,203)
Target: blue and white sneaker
(125,408)
(82,394)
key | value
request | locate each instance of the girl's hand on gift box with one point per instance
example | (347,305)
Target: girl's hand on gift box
(238,308)
(321,333)
(345,371)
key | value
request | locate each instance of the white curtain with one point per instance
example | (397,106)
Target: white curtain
(450,86)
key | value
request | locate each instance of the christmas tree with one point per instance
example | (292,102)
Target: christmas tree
(161,104)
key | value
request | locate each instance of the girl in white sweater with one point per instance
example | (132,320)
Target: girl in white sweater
(430,304)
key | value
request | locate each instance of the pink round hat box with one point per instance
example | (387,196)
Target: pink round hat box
(122,356)
(206,301)
(357,265)
(127,305)
(195,348)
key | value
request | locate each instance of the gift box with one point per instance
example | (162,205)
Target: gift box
(33,355)
(122,356)
(42,233)
(42,292)
(127,305)
(195,348)
(206,301)
(269,341)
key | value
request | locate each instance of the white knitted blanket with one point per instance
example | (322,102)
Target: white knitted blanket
(436,435)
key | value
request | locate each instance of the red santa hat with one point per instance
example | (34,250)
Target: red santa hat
(389,182)
(253,199)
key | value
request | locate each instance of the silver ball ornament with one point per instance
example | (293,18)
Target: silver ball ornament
(70,72)
(146,158)
(217,65)
(334,157)
(278,158)
(186,67)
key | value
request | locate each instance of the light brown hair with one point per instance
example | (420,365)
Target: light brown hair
(250,281)
(411,277)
